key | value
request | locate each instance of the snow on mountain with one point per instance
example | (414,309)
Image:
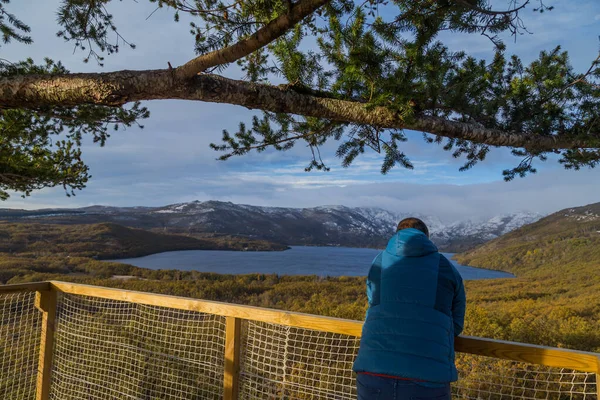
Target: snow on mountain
(461,235)
(325,225)
(345,225)
(582,214)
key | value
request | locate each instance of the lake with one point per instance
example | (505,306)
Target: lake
(321,261)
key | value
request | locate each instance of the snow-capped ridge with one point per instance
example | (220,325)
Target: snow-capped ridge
(340,220)
(324,225)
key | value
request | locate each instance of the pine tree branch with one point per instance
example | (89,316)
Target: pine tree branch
(287,139)
(118,88)
(265,35)
(484,11)
(583,78)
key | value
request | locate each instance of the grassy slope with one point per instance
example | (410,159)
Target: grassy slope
(107,240)
(555,298)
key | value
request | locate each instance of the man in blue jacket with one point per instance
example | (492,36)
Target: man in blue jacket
(416,308)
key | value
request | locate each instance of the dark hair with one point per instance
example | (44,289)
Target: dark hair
(415,223)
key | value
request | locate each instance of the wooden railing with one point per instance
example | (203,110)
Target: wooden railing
(46,302)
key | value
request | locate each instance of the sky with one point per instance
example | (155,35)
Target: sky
(170,160)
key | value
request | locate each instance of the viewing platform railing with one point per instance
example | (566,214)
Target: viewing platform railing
(66,341)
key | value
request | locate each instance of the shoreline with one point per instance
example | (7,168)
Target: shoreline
(178,251)
(487,269)
(325,261)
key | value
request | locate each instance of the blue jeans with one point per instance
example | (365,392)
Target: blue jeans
(379,388)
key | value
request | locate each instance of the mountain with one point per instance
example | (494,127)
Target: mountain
(327,225)
(567,238)
(464,235)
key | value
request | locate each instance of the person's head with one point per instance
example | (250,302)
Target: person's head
(414,223)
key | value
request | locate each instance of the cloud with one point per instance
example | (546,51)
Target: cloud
(545,192)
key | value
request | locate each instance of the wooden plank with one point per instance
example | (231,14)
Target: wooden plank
(529,353)
(307,321)
(598,382)
(233,343)
(46,303)
(553,357)
(25,287)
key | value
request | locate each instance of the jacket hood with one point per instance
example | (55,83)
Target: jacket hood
(410,243)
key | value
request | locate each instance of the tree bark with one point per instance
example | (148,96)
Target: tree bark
(118,88)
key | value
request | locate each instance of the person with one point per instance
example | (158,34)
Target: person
(416,307)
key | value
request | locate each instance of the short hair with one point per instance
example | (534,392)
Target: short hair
(415,223)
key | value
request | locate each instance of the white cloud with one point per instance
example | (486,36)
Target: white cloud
(546,192)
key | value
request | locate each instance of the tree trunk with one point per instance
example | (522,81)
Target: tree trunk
(118,88)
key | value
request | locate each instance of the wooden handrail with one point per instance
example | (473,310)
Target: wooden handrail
(25,287)
(541,355)
(529,353)
(299,320)
(548,356)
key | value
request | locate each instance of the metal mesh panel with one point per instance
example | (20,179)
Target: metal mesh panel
(280,362)
(293,363)
(485,378)
(20,333)
(106,349)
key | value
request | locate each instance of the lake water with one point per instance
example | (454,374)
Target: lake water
(321,261)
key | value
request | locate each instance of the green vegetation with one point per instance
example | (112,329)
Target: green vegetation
(32,249)
(111,241)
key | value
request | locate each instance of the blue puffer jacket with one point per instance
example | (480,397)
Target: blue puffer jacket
(416,307)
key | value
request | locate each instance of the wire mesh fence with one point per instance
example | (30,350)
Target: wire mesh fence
(283,362)
(280,362)
(107,349)
(485,378)
(20,333)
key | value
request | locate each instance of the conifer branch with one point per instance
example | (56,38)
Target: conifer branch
(265,35)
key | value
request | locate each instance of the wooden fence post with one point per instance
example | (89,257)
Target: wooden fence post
(45,301)
(233,342)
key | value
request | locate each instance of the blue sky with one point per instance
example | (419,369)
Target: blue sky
(170,161)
